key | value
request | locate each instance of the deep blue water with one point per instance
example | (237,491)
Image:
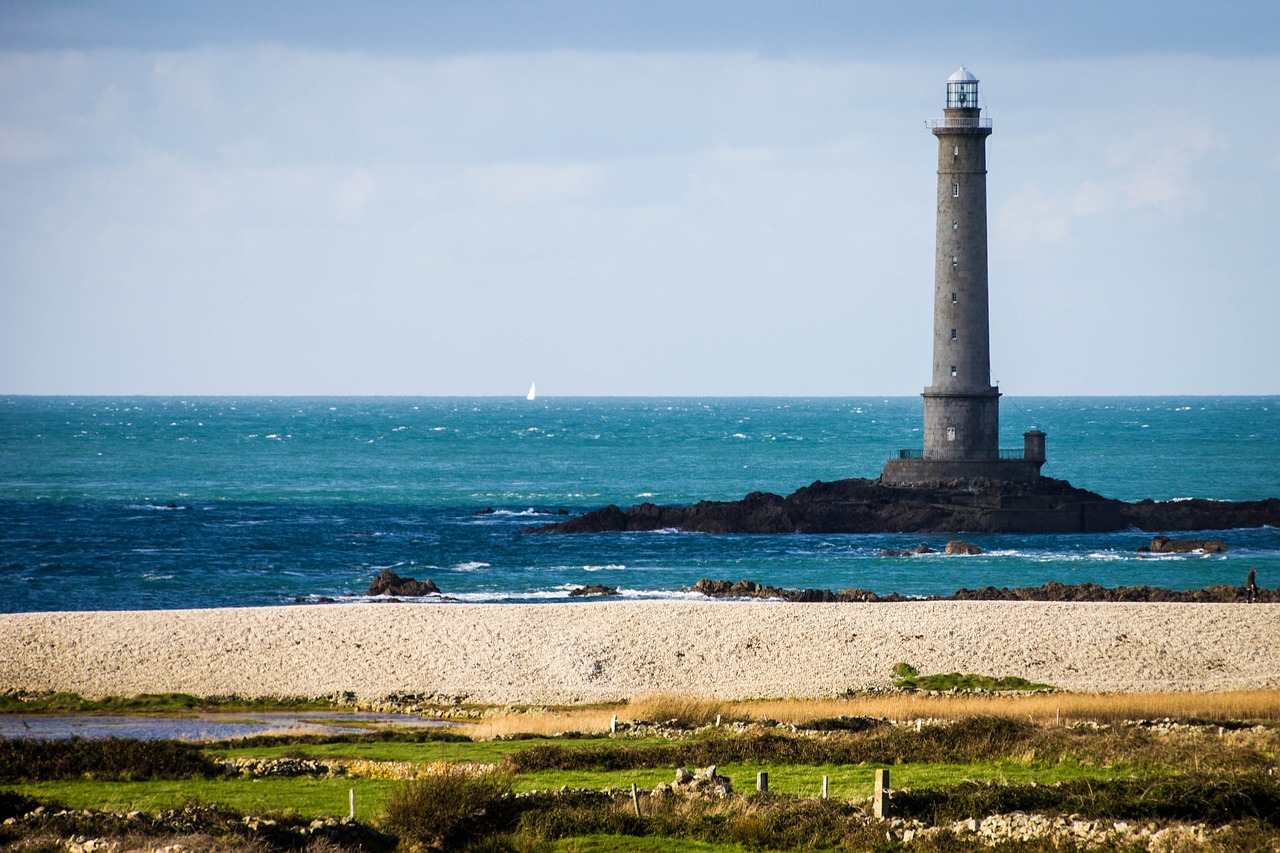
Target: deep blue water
(275,500)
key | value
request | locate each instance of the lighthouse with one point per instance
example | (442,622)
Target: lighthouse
(961,405)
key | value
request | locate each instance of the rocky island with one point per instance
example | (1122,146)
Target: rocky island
(977,505)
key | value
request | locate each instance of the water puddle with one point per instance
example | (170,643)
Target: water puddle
(201,727)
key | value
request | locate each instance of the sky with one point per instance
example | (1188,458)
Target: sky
(627,198)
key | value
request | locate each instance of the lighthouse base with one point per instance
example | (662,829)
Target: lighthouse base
(914,471)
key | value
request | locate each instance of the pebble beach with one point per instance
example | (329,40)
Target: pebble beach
(605,651)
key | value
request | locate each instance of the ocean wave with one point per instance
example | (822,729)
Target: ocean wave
(524,513)
(470,566)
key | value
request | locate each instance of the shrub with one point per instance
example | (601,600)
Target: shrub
(450,809)
(841,724)
(114,759)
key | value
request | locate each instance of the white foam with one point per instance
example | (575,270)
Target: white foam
(470,566)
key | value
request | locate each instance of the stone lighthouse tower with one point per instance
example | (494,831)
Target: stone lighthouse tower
(961,406)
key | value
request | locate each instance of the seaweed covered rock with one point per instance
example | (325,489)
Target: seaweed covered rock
(389,583)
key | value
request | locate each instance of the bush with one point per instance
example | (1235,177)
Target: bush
(113,759)
(450,809)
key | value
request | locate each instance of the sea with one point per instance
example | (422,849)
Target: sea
(121,503)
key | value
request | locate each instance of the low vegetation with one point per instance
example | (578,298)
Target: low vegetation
(523,792)
(17,702)
(907,677)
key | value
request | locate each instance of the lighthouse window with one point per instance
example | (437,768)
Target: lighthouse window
(955,190)
(955,223)
(953,334)
(955,150)
(954,261)
(953,370)
(951,433)
(953,299)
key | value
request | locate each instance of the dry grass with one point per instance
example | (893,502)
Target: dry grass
(1039,708)
(1048,708)
(542,722)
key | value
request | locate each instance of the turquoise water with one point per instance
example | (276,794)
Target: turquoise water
(115,503)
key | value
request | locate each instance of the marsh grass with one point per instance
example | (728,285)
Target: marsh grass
(676,711)
(15,702)
(1045,708)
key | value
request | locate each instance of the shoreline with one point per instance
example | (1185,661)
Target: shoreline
(602,651)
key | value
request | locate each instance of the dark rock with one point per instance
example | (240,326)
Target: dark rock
(1165,545)
(1051,591)
(594,589)
(980,505)
(956,546)
(389,583)
(486,511)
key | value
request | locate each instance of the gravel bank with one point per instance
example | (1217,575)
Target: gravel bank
(597,651)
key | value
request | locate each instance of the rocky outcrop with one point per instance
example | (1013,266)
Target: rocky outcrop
(703,782)
(908,552)
(1165,545)
(593,589)
(389,583)
(959,547)
(751,589)
(1052,591)
(980,505)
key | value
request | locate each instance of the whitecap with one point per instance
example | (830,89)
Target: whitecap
(471,566)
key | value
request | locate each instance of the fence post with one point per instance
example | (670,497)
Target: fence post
(352,796)
(635,798)
(880,802)
(824,787)
(613,725)
(762,781)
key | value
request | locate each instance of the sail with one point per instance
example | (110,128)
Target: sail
(533,391)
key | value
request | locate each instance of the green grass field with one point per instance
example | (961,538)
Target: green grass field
(1210,773)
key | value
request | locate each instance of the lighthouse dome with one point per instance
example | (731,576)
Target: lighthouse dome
(962,90)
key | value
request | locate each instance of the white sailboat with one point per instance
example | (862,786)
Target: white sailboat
(533,391)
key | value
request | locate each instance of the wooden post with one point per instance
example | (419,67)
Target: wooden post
(1057,716)
(717,721)
(825,782)
(613,725)
(352,796)
(880,803)
(635,798)
(919,724)
(762,781)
